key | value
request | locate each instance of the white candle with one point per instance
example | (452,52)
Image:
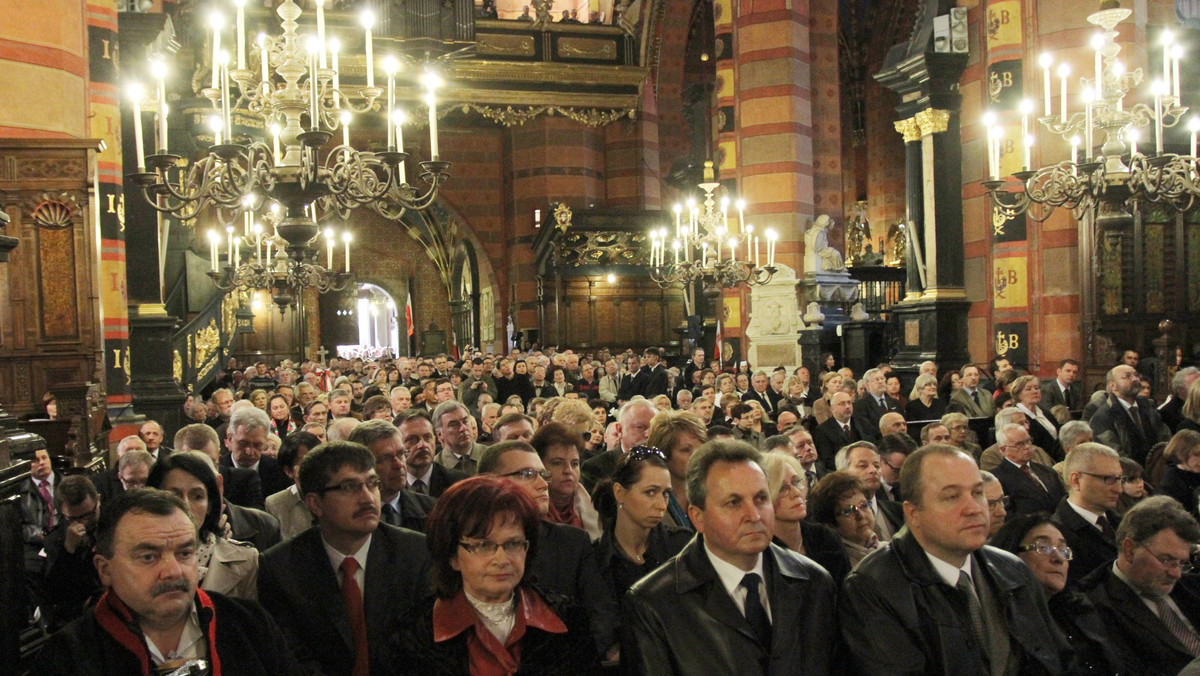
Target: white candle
(1194,127)
(269,242)
(368,20)
(312,85)
(275,143)
(1133,139)
(214,21)
(1074,151)
(757,251)
(135,93)
(1176,55)
(733,249)
(433,135)
(346,239)
(241,33)
(329,242)
(1026,108)
(258,242)
(321,30)
(741,207)
(1089,98)
(389,66)
(213,237)
(676,245)
(266,74)
(334,48)
(345,127)
(229,231)
(225,100)
(1167,40)
(1158,123)
(160,73)
(1064,70)
(1046,61)
(704,254)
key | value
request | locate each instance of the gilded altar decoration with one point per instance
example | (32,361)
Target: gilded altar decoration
(229,308)
(177,367)
(510,116)
(932,121)
(208,340)
(584,48)
(506,45)
(562,217)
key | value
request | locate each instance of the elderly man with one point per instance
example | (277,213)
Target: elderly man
(993,455)
(222,400)
(132,470)
(870,408)
(1152,620)
(1126,422)
(337,589)
(928,368)
(862,460)
(763,393)
(731,602)
(633,425)
(246,439)
(401,399)
(997,502)
(422,474)
(1032,487)
(892,423)
(398,507)
(1087,518)
(974,401)
(460,451)
(565,563)
(151,433)
(153,618)
(513,427)
(836,432)
(936,599)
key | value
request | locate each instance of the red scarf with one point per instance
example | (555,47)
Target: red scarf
(567,515)
(117,619)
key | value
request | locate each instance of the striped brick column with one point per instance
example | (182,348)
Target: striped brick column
(632,158)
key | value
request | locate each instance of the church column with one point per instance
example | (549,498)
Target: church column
(914,204)
(632,173)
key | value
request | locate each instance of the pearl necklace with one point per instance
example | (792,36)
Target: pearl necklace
(497,617)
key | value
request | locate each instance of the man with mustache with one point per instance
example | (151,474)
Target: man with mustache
(731,602)
(936,598)
(423,476)
(337,589)
(152,618)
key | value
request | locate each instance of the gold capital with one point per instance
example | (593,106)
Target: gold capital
(909,129)
(932,121)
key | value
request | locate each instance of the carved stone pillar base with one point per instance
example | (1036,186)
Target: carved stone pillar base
(931,330)
(156,393)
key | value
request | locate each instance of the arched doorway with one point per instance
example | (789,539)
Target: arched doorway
(377,317)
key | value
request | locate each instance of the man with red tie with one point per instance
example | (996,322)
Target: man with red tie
(37,508)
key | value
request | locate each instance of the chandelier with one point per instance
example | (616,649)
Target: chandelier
(290,178)
(1117,171)
(707,249)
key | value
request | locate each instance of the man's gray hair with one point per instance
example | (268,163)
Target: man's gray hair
(448,406)
(1155,514)
(489,406)
(249,417)
(1006,416)
(1071,433)
(1080,457)
(871,373)
(129,443)
(134,457)
(1179,383)
(340,429)
(1003,437)
(370,431)
(707,455)
(842,459)
(627,410)
(196,437)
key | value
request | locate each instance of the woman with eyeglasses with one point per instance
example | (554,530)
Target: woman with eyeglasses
(1041,545)
(227,566)
(632,504)
(789,495)
(486,616)
(1181,478)
(839,500)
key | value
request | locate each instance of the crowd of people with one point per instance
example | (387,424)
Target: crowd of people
(553,512)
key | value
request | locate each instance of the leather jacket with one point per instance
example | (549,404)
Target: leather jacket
(898,616)
(681,620)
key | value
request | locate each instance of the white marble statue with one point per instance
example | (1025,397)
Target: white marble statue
(818,255)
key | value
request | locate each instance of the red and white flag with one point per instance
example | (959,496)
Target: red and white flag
(408,317)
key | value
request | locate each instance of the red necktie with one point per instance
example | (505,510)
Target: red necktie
(44,491)
(1029,473)
(358,620)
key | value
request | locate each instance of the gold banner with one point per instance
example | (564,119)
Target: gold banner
(1010,284)
(1004,24)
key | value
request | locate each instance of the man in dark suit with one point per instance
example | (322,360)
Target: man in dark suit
(1126,422)
(239,486)
(1152,620)
(806,453)
(652,380)
(565,563)
(835,432)
(422,474)
(338,589)
(1086,517)
(706,609)
(872,405)
(399,507)
(1030,486)
(862,460)
(760,391)
(695,364)
(627,382)
(253,525)
(1064,389)
(633,426)
(246,439)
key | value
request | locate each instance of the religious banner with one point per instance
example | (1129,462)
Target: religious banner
(1004,25)
(1011,341)
(731,317)
(1005,84)
(1007,229)
(1010,283)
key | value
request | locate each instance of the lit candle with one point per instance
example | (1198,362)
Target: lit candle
(1176,55)
(676,245)
(214,22)
(334,48)
(1026,108)
(225,100)
(1133,139)
(1064,71)
(213,240)
(368,20)
(772,238)
(389,67)
(346,240)
(345,127)
(741,207)
(269,242)
(1046,61)
(329,242)
(1194,128)
(266,62)
(757,251)
(1118,70)
(1167,40)
(135,94)
(312,83)
(704,254)
(1158,90)
(1075,141)
(216,125)
(275,143)
(229,232)
(989,122)
(159,70)
(1089,98)
(733,249)
(400,120)
(241,33)
(321,30)
(1027,141)
(994,136)
(433,135)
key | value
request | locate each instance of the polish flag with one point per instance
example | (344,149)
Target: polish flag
(408,313)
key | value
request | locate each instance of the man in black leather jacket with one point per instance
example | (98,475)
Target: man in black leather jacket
(991,620)
(696,615)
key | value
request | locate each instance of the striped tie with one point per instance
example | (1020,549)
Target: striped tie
(1178,627)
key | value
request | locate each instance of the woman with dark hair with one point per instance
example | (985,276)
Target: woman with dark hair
(828,363)
(227,566)
(1041,545)
(789,495)
(486,617)
(951,383)
(1181,478)
(744,423)
(839,500)
(281,416)
(632,504)
(561,451)
(1133,486)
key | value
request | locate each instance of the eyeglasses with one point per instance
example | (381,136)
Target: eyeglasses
(82,517)
(645,453)
(1045,549)
(1004,500)
(351,488)
(891,466)
(863,506)
(1108,479)
(796,484)
(1170,562)
(488,548)
(528,474)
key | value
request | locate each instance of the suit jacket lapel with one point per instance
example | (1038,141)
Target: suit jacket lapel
(1139,614)
(717,602)
(379,567)
(325,587)
(786,603)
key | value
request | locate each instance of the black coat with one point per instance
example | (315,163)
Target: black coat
(651,382)
(1052,395)
(566,565)
(249,643)
(769,400)
(1180,484)
(1080,622)
(1114,427)
(829,438)
(242,486)
(270,473)
(1141,640)
(1171,412)
(1027,497)
(542,653)
(681,620)
(824,546)
(920,625)
(598,468)
(1043,439)
(414,511)
(620,573)
(254,526)
(299,587)
(1091,548)
(69,580)
(867,413)
(108,485)
(442,478)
